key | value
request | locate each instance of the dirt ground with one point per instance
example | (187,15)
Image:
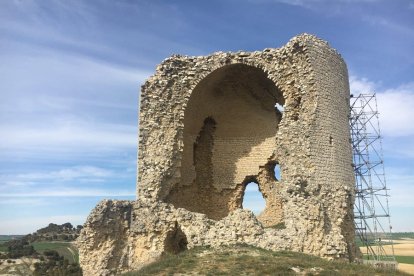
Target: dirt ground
(407,268)
(22,266)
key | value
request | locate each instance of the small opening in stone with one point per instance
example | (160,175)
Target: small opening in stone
(176,241)
(330,140)
(253,198)
(279,107)
(276,171)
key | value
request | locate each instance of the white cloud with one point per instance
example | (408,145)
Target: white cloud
(50,73)
(310,4)
(387,23)
(22,201)
(66,105)
(77,181)
(361,85)
(395,105)
(71,192)
(66,174)
(396,110)
(400,182)
(68,137)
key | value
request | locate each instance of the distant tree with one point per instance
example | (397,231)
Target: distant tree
(56,265)
(67,225)
(19,248)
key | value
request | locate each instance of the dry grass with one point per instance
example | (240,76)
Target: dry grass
(247,260)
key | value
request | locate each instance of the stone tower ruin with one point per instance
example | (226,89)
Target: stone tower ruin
(208,126)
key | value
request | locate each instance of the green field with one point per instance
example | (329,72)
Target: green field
(65,249)
(403,235)
(405,259)
(4,238)
(3,248)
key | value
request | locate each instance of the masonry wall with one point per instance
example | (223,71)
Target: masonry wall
(238,91)
(240,101)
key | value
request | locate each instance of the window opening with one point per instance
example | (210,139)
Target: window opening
(253,199)
(279,107)
(276,171)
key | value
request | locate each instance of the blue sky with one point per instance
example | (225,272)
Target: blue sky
(70,76)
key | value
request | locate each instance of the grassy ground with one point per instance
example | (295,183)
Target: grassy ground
(22,265)
(403,235)
(405,259)
(3,248)
(5,238)
(247,260)
(65,249)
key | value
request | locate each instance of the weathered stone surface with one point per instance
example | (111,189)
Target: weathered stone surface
(208,126)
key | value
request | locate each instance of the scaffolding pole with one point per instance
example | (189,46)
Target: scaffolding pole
(371,212)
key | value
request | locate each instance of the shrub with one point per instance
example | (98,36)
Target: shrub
(19,248)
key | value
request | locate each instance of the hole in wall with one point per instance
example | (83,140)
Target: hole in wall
(277,172)
(175,241)
(253,199)
(330,140)
(279,108)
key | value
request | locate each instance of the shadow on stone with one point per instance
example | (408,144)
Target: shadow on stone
(175,241)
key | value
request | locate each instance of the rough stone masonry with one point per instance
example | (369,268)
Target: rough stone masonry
(210,125)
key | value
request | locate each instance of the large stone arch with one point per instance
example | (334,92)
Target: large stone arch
(230,129)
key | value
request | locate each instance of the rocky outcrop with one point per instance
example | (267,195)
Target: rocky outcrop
(120,236)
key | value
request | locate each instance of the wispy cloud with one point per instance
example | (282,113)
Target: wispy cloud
(396,109)
(388,23)
(394,105)
(78,181)
(313,4)
(395,116)
(361,85)
(400,181)
(68,174)
(65,191)
(68,137)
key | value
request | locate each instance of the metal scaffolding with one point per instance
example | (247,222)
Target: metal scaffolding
(371,213)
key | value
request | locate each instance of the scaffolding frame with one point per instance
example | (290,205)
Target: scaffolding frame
(371,212)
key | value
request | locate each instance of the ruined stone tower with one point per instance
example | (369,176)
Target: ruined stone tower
(208,126)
